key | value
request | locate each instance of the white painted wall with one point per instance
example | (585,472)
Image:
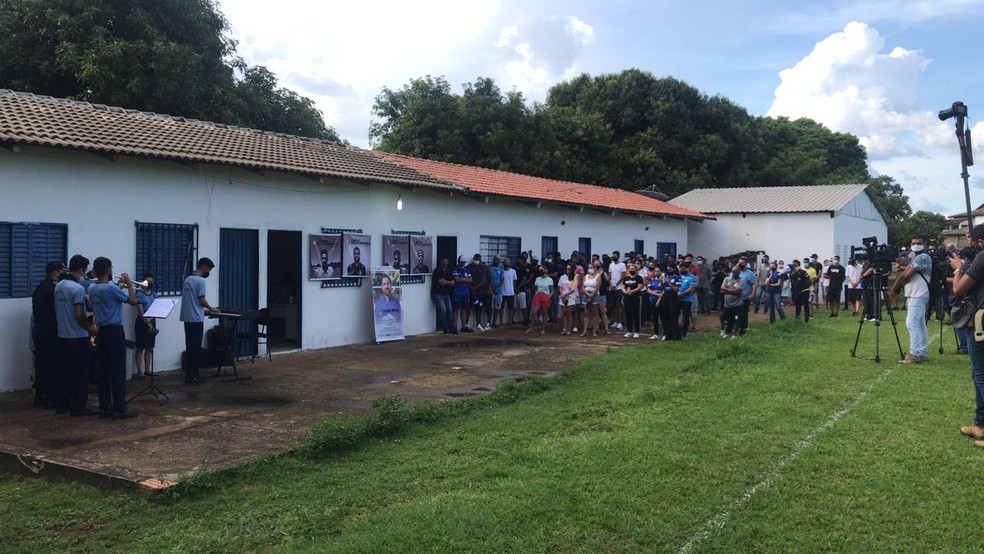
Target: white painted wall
(783,236)
(100,201)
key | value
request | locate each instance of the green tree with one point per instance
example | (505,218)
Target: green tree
(929,225)
(893,204)
(171,57)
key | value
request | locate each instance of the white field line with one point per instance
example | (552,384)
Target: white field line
(774,472)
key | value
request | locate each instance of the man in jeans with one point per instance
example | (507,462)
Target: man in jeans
(916,281)
(968,285)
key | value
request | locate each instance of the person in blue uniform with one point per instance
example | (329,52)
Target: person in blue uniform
(144,330)
(110,358)
(194,306)
(74,332)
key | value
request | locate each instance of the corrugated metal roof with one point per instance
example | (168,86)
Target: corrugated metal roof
(817,198)
(482,181)
(45,121)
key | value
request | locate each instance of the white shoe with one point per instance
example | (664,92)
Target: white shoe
(664,337)
(627,335)
(724,335)
(618,326)
(635,335)
(733,337)
(574,330)
(654,337)
(483,329)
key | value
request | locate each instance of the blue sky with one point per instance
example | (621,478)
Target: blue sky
(879,70)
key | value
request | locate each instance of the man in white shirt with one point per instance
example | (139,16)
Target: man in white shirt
(615,271)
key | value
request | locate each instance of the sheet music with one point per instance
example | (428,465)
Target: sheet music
(161,308)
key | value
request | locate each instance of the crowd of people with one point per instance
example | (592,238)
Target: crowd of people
(636,295)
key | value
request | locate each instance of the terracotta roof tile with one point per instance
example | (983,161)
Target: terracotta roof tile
(502,183)
(45,121)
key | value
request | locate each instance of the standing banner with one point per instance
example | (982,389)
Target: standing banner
(387,306)
(326,257)
(422,248)
(356,249)
(396,252)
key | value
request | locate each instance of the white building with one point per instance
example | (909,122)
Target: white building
(157,192)
(785,222)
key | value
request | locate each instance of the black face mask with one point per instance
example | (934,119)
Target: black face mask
(206,274)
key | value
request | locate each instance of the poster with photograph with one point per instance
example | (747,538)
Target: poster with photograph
(422,249)
(387,307)
(326,257)
(396,253)
(357,254)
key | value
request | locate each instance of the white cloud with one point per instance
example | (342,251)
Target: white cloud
(537,54)
(848,84)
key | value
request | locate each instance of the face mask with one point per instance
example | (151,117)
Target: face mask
(549,260)
(813,259)
(917,248)
(206,274)
(773,268)
(590,271)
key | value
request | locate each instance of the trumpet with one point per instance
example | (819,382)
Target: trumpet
(145,283)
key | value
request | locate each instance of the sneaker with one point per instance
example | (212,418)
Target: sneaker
(627,335)
(973,431)
(574,330)
(467,330)
(654,337)
(664,337)
(910,359)
(733,337)
(618,326)
(724,335)
(635,335)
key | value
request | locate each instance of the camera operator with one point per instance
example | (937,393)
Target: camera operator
(917,299)
(969,284)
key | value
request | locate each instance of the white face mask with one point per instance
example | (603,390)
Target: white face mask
(590,271)
(917,248)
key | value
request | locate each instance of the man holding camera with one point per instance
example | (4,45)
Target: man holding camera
(917,299)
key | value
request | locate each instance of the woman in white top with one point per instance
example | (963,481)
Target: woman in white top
(568,286)
(591,287)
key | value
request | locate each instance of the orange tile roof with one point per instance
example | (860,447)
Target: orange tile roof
(513,185)
(45,121)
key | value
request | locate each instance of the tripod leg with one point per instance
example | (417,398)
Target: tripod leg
(891,317)
(864,314)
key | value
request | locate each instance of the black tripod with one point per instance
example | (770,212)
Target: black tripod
(151,389)
(941,308)
(879,299)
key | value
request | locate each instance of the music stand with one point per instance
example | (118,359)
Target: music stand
(160,309)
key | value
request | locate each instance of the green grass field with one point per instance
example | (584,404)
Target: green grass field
(779,442)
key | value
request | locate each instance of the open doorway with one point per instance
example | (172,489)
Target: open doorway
(284,278)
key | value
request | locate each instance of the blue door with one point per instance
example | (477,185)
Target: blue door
(239,271)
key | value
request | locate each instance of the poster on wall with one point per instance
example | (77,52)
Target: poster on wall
(357,249)
(396,253)
(326,257)
(422,249)
(387,307)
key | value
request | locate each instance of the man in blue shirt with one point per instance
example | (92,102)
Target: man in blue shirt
(688,286)
(107,309)
(74,332)
(194,306)
(387,306)
(748,281)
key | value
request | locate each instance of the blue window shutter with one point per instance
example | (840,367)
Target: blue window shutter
(20,261)
(6,256)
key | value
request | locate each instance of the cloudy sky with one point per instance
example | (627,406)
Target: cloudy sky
(880,69)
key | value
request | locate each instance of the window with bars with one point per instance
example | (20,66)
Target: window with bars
(664,248)
(25,248)
(504,247)
(168,250)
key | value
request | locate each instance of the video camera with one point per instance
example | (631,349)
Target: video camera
(880,256)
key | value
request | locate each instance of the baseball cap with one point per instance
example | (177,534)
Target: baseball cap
(54,266)
(462,259)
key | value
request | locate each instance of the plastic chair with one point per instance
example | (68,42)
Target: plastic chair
(253,339)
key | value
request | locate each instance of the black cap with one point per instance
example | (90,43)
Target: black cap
(54,266)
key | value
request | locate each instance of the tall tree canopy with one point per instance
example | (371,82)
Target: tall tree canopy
(170,57)
(627,130)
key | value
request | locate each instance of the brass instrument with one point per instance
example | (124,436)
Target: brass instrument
(122,285)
